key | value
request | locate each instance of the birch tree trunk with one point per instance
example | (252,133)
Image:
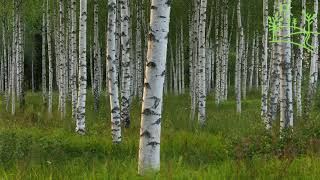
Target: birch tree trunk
(313,77)
(275,76)
(286,104)
(43,49)
(139,52)
(82,92)
(251,68)
(125,63)
(265,86)
(62,61)
(149,147)
(112,72)
(49,58)
(240,43)
(95,72)
(74,58)
(202,63)
(300,58)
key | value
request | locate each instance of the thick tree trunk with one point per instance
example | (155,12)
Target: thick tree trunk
(149,148)
(82,91)
(286,104)
(275,76)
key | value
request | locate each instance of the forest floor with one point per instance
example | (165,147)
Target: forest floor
(230,146)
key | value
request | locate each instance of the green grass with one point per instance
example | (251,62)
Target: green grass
(230,146)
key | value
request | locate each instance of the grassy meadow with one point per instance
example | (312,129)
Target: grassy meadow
(34,145)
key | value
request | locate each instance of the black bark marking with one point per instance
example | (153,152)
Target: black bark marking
(153,144)
(156,101)
(146,134)
(152,37)
(151,64)
(115,109)
(149,112)
(157,122)
(147,85)
(163,73)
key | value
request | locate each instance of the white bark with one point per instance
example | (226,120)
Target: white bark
(74,59)
(264,85)
(62,61)
(313,77)
(50,59)
(43,49)
(125,63)
(300,58)
(240,47)
(286,104)
(96,73)
(112,72)
(82,89)
(202,62)
(149,148)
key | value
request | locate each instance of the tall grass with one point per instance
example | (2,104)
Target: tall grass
(34,145)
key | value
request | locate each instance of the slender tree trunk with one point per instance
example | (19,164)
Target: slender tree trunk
(82,91)
(49,58)
(112,72)
(251,68)
(240,43)
(125,63)
(265,86)
(202,61)
(43,49)
(149,148)
(95,72)
(313,77)
(300,58)
(62,61)
(74,58)
(139,57)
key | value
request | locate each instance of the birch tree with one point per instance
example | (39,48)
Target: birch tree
(74,59)
(313,77)
(300,58)
(62,61)
(149,146)
(240,43)
(286,104)
(82,92)
(48,27)
(125,63)
(264,102)
(95,57)
(112,72)
(202,63)
(43,50)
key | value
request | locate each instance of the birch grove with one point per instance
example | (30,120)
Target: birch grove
(202,66)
